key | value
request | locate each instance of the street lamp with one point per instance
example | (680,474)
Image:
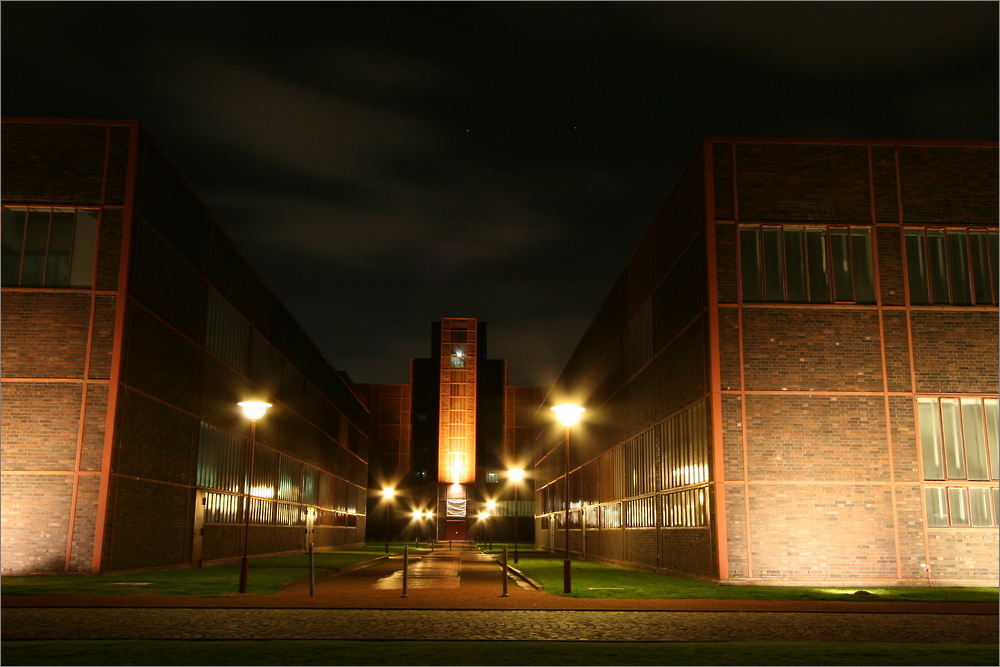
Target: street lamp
(568,414)
(515,475)
(387,494)
(491,506)
(483,516)
(253,410)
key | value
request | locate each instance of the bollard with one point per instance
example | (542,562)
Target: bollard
(504,572)
(406,565)
(312,571)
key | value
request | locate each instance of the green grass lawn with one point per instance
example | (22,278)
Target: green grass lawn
(593,580)
(266,576)
(317,652)
(590,580)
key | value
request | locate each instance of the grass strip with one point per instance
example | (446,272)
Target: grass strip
(594,580)
(319,652)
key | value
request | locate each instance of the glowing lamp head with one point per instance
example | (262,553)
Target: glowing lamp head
(491,505)
(568,414)
(388,493)
(254,410)
(515,474)
(484,515)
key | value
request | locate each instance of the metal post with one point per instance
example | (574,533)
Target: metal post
(567,583)
(245,563)
(504,572)
(516,517)
(387,525)
(406,567)
(312,570)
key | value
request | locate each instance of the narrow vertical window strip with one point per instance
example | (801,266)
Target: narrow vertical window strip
(916,267)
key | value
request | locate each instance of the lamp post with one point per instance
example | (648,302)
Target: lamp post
(387,495)
(491,506)
(483,519)
(515,475)
(567,414)
(253,410)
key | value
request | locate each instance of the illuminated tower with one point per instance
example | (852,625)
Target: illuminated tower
(457,420)
(446,440)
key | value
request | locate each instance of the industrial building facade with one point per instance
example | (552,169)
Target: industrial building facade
(795,377)
(132,327)
(446,441)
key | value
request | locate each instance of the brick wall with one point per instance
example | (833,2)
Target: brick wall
(55,423)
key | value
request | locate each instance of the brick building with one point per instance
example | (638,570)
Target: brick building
(795,377)
(445,442)
(132,326)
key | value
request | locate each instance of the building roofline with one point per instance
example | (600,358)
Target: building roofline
(856,142)
(69,121)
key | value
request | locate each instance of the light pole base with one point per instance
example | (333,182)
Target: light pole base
(567,584)
(244,572)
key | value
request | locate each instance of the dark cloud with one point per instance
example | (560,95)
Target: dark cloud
(388,164)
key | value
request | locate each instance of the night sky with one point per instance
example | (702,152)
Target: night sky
(385,165)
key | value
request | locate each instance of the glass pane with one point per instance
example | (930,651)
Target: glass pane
(975,440)
(795,265)
(819,273)
(843,287)
(996,502)
(937,510)
(992,405)
(979,505)
(774,283)
(951,428)
(994,245)
(861,264)
(958,506)
(930,438)
(60,245)
(981,281)
(36,240)
(750,265)
(916,268)
(12,242)
(84,246)
(938,266)
(958,267)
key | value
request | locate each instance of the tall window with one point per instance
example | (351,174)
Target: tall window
(959,443)
(806,264)
(954,266)
(48,247)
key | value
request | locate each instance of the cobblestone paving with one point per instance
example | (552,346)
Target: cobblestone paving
(424,624)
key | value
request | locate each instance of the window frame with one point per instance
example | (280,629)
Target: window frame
(940,282)
(75,265)
(811,252)
(951,487)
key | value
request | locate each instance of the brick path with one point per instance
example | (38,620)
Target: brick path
(458,594)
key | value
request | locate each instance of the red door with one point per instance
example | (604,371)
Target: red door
(455,529)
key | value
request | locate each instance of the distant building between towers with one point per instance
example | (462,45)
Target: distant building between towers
(446,442)
(795,377)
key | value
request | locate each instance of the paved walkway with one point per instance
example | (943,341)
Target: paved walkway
(459,594)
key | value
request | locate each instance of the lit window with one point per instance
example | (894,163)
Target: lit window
(958,441)
(806,264)
(48,247)
(492,478)
(956,266)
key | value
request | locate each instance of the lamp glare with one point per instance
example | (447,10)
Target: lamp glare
(254,410)
(568,414)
